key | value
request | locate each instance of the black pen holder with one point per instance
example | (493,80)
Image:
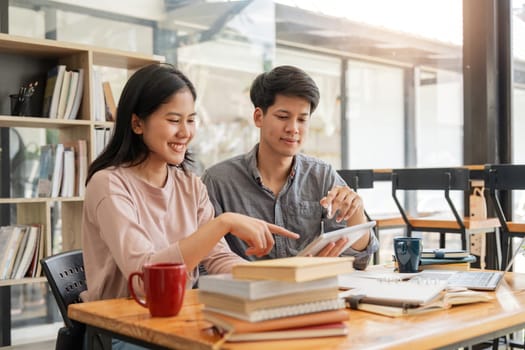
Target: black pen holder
(20,106)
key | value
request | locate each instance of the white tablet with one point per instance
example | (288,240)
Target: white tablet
(353,233)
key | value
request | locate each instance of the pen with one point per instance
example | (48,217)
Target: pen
(329,210)
(322,228)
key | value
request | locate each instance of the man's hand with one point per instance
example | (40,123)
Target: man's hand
(345,204)
(333,248)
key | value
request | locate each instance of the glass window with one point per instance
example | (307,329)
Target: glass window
(324,140)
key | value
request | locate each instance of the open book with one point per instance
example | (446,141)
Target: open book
(445,301)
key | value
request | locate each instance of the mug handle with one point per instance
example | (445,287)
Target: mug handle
(140,275)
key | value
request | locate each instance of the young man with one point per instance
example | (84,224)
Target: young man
(276,183)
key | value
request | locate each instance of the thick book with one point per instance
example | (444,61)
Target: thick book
(446,301)
(259,289)
(240,305)
(317,331)
(294,269)
(444,253)
(234,325)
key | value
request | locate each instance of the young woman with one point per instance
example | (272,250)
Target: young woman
(142,205)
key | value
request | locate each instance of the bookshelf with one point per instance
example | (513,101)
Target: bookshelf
(21,60)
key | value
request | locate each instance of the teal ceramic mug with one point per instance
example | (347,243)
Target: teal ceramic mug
(408,253)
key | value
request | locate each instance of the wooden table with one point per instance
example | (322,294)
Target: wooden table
(459,326)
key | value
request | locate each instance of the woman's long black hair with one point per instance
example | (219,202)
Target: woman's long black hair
(145,91)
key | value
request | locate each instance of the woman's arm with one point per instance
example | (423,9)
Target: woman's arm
(256,233)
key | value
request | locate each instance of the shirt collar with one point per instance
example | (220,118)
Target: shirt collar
(251,160)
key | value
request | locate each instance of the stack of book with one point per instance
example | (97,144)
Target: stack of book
(446,258)
(277,299)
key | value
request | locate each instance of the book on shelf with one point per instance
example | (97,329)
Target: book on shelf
(78,95)
(317,331)
(294,269)
(259,289)
(282,311)
(24,235)
(10,249)
(72,89)
(28,252)
(234,325)
(38,253)
(58,168)
(445,301)
(52,91)
(68,175)
(246,306)
(45,174)
(97,101)
(79,173)
(111,106)
(444,253)
(64,91)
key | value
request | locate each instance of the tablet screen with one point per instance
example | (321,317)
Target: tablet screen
(352,233)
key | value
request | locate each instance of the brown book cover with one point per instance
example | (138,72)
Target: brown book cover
(231,324)
(111,106)
(294,269)
(317,331)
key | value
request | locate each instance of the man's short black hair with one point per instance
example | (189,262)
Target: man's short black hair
(283,80)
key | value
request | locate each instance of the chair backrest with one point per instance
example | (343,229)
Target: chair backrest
(445,179)
(67,279)
(431,179)
(505,177)
(358,178)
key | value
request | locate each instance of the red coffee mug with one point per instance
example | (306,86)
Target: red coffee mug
(164,287)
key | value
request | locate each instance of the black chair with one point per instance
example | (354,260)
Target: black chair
(505,177)
(364,179)
(66,278)
(445,180)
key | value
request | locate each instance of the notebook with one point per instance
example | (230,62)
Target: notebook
(390,292)
(282,311)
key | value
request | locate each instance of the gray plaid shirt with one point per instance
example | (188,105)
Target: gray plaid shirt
(235,185)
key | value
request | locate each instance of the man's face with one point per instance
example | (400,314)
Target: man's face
(284,127)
